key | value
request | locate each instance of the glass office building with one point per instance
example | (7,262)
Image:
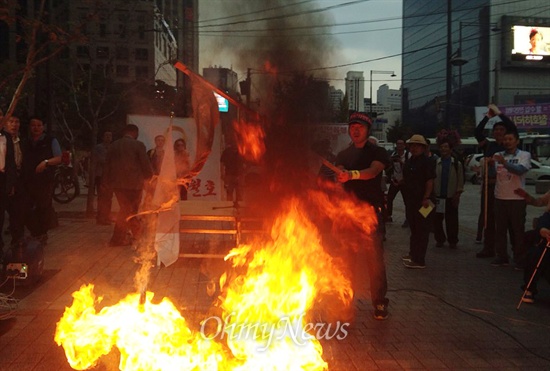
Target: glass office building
(437,93)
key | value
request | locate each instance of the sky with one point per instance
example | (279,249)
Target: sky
(361,35)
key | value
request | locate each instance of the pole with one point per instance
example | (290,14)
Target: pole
(533,275)
(460,75)
(370,109)
(486,191)
(249,83)
(448,63)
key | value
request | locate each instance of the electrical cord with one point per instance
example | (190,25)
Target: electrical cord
(467,311)
(8,304)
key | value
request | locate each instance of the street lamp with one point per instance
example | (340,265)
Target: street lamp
(392,73)
(458,60)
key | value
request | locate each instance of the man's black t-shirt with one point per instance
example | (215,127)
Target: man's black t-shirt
(416,172)
(353,158)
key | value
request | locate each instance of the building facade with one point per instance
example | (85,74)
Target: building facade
(388,97)
(336,98)
(355,90)
(444,79)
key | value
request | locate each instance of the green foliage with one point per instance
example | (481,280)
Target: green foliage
(398,131)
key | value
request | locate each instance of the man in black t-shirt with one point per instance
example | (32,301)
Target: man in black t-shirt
(417,188)
(363,163)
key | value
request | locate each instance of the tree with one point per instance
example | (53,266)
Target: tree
(43,41)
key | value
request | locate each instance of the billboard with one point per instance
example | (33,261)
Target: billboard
(526,117)
(223,104)
(526,42)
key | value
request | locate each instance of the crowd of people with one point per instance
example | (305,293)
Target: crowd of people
(27,167)
(431,186)
(124,168)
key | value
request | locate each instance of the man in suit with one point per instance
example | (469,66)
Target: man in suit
(127,168)
(7,171)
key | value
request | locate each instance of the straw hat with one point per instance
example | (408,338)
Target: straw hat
(418,139)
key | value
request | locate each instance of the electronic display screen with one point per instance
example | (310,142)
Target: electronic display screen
(526,42)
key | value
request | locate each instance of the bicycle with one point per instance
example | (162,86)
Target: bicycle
(66,186)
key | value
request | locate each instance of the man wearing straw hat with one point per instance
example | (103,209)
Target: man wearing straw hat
(418,181)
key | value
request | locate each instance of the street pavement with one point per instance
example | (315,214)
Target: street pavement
(459,313)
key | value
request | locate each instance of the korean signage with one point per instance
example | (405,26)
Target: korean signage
(526,117)
(207,185)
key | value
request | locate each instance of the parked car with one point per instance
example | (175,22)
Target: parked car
(473,172)
(538,171)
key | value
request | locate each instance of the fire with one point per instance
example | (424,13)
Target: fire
(149,337)
(270,68)
(275,296)
(271,312)
(250,139)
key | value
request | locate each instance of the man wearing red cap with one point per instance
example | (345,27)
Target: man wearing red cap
(363,163)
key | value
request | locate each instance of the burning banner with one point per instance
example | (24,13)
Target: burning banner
(270,309)
(280,297)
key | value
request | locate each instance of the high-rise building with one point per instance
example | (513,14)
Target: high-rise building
(444,80)
(336,97)
(387,97)
(133,38)
(425,66)
(355,90)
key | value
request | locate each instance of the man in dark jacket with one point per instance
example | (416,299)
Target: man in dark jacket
(7,171)
(41,153)
(127,168)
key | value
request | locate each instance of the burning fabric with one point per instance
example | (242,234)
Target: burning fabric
(269,312)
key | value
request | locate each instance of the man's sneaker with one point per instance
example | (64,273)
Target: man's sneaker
(406,258)
(528,297)
(381,312)
(499,262)
(413,265)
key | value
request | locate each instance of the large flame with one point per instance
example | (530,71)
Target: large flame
(271,308)
(271,301)
(149,336)
(250,139)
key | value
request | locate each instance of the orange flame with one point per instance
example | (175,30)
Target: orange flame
(271,309)
(250,139)
(149,336)
(269,68)
(273,299)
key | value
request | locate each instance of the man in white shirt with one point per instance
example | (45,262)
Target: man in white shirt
(510,208)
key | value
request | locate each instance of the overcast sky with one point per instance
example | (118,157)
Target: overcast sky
(364,35)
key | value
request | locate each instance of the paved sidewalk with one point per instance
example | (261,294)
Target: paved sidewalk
(458,313)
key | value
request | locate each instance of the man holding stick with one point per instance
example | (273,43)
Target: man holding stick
(362,164)
(489,148)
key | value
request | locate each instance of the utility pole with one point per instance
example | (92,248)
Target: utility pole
(249,85)
(448,63)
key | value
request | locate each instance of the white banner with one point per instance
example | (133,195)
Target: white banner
(207,186)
